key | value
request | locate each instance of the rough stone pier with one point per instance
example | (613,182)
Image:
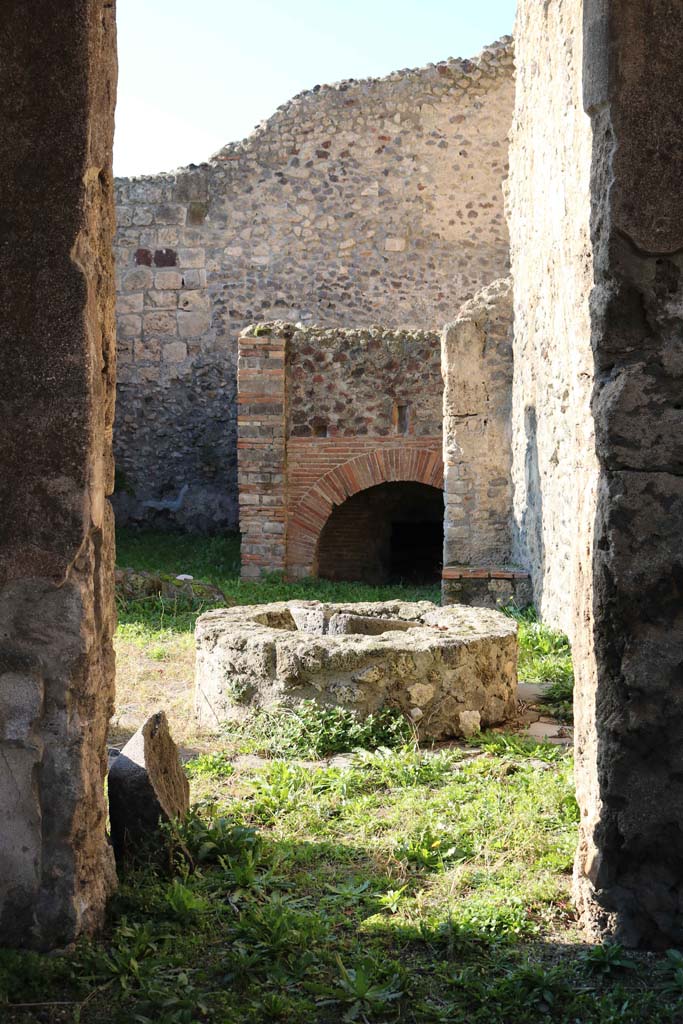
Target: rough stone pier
(596,221)
(57,367)
(451,670)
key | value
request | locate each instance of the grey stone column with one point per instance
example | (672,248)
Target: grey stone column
(57,372)
(629,867)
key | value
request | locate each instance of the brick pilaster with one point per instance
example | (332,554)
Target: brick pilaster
(261,453)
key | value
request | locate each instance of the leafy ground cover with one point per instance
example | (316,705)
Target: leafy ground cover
(397,886)
(545,657)
(387,885)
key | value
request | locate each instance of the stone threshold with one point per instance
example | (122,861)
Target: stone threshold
(470,572)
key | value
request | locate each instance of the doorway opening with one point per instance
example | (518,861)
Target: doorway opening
(390,533)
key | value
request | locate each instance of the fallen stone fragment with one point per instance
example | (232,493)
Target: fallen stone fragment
(146,785)
(470,723)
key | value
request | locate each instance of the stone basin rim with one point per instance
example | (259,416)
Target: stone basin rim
(409,623)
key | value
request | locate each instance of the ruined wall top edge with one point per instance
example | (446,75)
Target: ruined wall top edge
(302,333)
(485,302)
(493,63)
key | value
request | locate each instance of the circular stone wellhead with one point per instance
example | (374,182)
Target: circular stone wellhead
(451,671)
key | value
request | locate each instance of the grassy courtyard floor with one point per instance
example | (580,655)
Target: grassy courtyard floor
(390,884)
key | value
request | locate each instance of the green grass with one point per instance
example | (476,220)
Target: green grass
(426,887)
(216,560)
(545,657)
(405,886)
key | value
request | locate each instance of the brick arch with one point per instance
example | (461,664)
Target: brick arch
(418,465)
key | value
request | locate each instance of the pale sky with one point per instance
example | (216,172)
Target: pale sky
(195,76)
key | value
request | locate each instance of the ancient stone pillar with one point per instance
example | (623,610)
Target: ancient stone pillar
(476,360)
(476,365)
(598,272)
(57,368)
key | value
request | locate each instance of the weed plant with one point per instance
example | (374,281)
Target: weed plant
(545,657)
(308,730)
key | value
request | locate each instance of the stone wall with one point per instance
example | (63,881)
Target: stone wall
(477,373)
(553,467)
(370,381)
(374,201)
(57,366)
(595,214)
(323,415)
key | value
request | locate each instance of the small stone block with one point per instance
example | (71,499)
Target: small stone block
(146,785)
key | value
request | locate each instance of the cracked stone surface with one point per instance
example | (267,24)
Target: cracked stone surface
(451,670)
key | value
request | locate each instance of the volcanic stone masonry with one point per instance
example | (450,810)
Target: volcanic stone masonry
(476,363)
(596,216)
(366,202)
(596,220)
(57,366)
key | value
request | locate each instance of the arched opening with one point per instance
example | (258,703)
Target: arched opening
(389,533)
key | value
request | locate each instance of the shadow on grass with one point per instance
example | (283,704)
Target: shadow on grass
(270,930)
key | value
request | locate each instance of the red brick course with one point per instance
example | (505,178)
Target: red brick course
(261,454)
